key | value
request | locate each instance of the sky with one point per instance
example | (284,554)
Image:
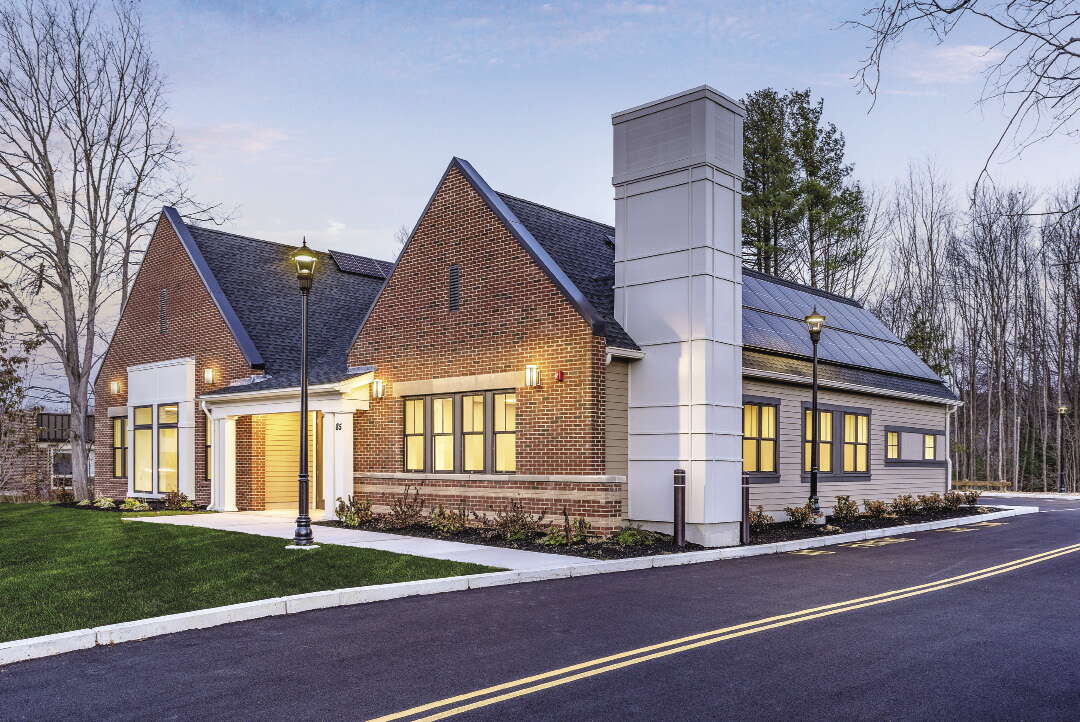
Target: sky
(335,120)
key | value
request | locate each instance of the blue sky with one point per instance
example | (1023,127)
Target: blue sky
(335,119)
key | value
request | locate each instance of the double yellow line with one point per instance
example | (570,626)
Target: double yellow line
(565,675)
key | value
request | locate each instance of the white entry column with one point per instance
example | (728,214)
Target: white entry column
(223,490)
(337,459)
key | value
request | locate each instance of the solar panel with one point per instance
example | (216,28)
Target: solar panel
(361,265)
(784,300)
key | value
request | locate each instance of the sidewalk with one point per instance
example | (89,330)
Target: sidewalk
(281,524)
(1030,495)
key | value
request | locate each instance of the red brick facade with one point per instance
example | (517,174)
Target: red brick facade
(511,314)
(194,328)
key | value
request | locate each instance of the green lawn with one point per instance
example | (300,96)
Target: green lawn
(64,569)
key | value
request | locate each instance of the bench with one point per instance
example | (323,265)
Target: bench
(985,485)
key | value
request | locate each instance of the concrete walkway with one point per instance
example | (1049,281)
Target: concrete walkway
(281,524)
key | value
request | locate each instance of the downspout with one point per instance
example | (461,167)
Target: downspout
(210,458)
(949,411)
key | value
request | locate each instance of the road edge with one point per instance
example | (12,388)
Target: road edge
(21,650)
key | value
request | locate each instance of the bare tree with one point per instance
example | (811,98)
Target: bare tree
(1034,70)
(83,147)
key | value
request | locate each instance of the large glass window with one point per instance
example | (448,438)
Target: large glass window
(759,438)
(143,441)
(414,434)
(168,448)
(505,432)
(119,447)
(929,446)
(442,433)
(473,428)
(824,439)
(856,442)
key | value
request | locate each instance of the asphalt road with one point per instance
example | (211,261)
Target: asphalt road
(1003,644)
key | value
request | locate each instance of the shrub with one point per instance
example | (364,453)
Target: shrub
(845,509)
(576,532)
(930,503)
(406,509)
(904,505)
(515,524)
(759,520)
(802,515)
(130,504)
(875,508)
(952,500)
(177,501)
(635,536)
(971,496)
(64,497)
(104,502)
(353,512)
(449,521)
(84,502)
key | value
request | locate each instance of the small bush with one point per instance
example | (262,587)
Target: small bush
(952,500)
(177,501)
(104,502)
(930,503)
(130,504)
(802,516)
(84,502)
(448,521)
(759,520)
(971,496)
(845,509)
(904,505)
(635,536)
(64,497)
(875,508)
(353,512)
(406,509)
(578,531)
(515,524)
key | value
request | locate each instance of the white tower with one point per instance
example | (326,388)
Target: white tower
(678,292)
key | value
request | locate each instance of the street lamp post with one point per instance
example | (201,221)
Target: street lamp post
(305,272)
(814,323)
(1062,409)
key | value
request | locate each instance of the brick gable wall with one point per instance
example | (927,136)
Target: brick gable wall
(195,328)
(511,314)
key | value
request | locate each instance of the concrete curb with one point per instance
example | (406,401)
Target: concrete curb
(24,649)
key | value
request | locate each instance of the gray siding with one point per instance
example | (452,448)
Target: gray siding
(615,417)
(886,482)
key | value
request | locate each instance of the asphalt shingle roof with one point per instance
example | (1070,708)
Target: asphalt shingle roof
(259,280)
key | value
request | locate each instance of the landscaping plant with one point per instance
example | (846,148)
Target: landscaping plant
(406,509)
(802,516)
(971,496)
(104,502)
(635,536)
(930,503)
(845,509)
(130,504)
(904,505)
(515,524)
(875,509)
(759,520)
(952,500)
(353,512)
(448,521)
(177,501)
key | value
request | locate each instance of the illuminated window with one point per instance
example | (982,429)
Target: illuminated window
(442,433)
(505,432)
(414,434)
(168,448)
(759,438)
(892,444)
(143,457)
(856,442)
(473,427)
(825,437)
(119,447)
(929,446)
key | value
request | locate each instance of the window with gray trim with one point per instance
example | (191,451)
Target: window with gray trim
(759,437)
(844,442)
(470,432)
(913,446)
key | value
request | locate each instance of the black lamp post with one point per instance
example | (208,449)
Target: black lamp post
(1062,409)
(814,323)
(305,272)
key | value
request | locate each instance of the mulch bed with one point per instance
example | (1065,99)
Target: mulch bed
(664,544)
(155,505)
(786,531)
(602,549)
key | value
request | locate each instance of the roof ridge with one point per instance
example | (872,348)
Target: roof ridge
(801,287)
(556,210)
(246,238)
(357,255)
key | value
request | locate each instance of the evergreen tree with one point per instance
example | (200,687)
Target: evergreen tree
(769,213)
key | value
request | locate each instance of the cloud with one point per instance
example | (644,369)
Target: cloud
(949,64)
(224,137)
(635,8)
(334,228)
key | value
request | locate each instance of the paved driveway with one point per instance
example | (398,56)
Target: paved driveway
(950,625)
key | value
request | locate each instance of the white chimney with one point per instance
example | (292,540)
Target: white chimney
(678,292)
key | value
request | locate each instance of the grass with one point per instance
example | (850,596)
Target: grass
(64,569)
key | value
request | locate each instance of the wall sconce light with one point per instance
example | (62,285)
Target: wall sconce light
(378,389)
(114,387)
(532,375)
(208,375)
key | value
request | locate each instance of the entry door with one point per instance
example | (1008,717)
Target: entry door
(282,436)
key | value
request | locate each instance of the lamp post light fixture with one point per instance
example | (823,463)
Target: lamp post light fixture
(305,261)
(814,323)
(1062,409)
